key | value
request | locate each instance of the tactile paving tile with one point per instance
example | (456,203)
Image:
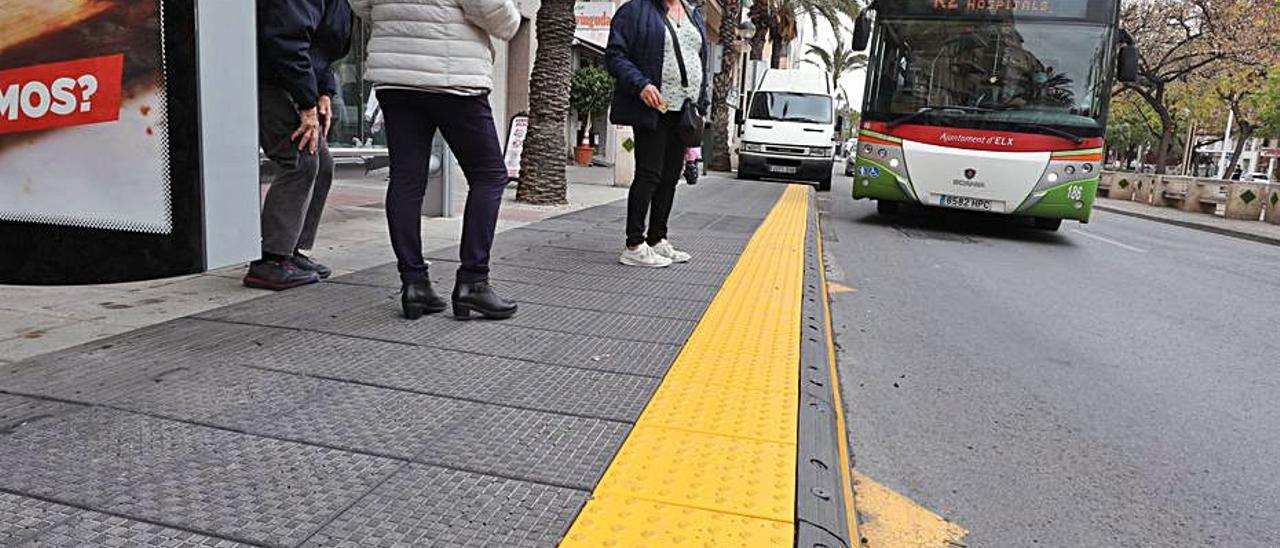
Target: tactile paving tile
(707,266)
(221,483)
(549,276)
(495,339)
(511,442)
(727,410)
(542,447)
(102,370)
(719,473)
(28,522)
(224,395)
(589,299)
(611,325)
(430,506)
(16,411)
(449,373)
(696,243)
(622,521)
(735,224)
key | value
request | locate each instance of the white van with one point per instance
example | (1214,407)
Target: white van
(789,128)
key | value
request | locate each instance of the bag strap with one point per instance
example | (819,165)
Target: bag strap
(675,44)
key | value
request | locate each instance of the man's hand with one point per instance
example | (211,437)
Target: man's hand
(651,97)
(325,108)
(308,133)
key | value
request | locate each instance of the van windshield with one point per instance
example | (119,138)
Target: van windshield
(790,107)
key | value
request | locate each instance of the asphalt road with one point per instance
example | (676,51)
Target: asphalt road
(1111,384)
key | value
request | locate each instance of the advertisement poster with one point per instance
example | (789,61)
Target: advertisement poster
(515,144)
(83,123)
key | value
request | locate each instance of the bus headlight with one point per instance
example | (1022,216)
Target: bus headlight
(893,162)
(1053,177)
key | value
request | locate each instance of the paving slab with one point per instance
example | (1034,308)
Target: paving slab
(319,417)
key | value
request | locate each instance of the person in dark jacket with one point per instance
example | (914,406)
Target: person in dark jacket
(648,95)
(298,43)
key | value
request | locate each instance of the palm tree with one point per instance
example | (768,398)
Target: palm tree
(723,88)
(779,18)
(542,163)
(837,61)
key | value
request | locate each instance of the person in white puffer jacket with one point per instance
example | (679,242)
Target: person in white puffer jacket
(431,64)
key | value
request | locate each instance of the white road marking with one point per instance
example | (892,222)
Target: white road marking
(1108,240)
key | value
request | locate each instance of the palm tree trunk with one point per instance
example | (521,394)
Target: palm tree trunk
(542,163)
(722,89)
(760,17)
(779,47)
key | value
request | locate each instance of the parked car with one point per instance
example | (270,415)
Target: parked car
(1258,177)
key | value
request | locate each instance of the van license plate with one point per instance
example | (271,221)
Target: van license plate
(961,202)
(782,169)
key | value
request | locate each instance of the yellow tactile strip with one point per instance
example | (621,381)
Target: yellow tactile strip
(712,460)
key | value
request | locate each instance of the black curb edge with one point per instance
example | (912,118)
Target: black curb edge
(822,519)
(1194,226)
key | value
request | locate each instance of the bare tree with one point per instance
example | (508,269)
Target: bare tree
(1180,40)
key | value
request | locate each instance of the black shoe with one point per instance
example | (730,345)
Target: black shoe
(418,298)
(278,275)
(305,263)
(480,297)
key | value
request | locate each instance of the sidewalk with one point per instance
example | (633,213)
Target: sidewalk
(353,236)
(694,405)
(1248,230)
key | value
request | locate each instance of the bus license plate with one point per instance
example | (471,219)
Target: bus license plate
(782,169)
(962,202)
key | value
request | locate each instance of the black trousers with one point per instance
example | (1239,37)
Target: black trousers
(659,161)
(412,118)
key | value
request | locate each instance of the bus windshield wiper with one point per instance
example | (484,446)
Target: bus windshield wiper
(928,109)
(1050,129)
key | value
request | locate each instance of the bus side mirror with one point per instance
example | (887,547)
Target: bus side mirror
(861,32)
(738,118)
(839,126)
(1127,68)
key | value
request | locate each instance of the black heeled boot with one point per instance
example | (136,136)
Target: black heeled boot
(480,297)
(418,299)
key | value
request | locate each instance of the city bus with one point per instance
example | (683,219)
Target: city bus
(989,105)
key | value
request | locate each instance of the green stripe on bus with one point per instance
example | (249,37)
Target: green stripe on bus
(868,132)
(1078,152)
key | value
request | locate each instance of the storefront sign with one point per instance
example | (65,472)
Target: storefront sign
(83,126)
(593,22)
(1270,152)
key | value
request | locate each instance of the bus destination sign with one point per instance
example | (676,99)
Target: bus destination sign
(1070,9)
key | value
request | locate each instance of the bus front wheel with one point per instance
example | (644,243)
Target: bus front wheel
(1051,225)
(886,207)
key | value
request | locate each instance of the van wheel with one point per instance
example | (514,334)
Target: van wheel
(1051,225)
(742,175)
(886,207)
(824,185)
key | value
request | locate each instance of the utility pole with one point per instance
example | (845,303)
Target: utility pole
(1226,142)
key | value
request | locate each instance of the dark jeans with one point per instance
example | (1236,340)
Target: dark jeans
(295,200)
(659,161)
(412,118)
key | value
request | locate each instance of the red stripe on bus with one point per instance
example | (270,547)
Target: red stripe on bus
(981,139)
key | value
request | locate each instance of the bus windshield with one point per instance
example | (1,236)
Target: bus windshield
(791,107)
(992,74)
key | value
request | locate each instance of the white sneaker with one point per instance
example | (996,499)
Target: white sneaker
(643,255)
(664,249)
